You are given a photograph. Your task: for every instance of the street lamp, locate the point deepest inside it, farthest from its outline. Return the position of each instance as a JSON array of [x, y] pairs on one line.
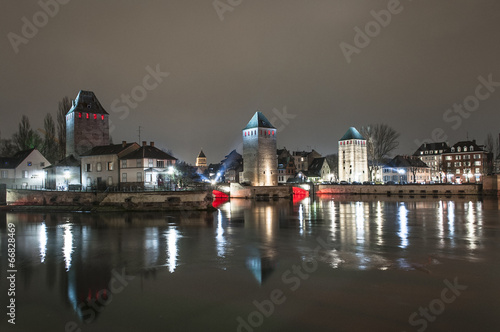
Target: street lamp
[[170, 173], [401, 173], [66, 178]]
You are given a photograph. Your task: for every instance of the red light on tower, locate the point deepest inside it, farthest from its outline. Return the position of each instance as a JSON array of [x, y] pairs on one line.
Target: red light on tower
[[87, 115], [95, 116], [80, 115], [102, 117]]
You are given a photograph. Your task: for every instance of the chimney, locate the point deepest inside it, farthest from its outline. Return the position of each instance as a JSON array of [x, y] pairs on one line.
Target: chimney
[[152, 144], [144, 143], [124, 143]]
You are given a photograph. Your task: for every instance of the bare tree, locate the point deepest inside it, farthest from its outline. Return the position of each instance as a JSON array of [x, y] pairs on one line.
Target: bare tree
[[381, 140], [7, 147], [50, 140], [26, 138], [63, 108]]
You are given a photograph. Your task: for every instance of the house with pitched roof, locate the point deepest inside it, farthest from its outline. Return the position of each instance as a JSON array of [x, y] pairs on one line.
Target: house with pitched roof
[[431, 154], [467, 162], [101, 165], [147, 167], [406, 169], [64, 174], [24, 170]]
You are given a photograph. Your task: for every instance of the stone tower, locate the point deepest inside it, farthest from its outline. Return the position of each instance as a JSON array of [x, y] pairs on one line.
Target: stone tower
[[260, 159], [87, 124], [353, 159], [201, 160]]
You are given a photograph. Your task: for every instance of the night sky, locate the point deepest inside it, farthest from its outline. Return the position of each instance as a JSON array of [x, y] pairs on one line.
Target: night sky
[[279, 57]]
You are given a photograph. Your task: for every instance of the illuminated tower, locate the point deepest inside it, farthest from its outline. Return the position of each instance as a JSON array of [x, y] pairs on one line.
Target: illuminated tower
[[353, 159], [201, 160], [260, 161], [87, 124]]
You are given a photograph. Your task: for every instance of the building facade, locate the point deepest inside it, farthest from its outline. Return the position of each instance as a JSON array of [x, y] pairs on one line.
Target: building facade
[[101, 165], [201, 160], [431, 155], [24, 170], [467, 162], [64, 174], [148, 167], [87, 124], [406, 169], [260, 161], [353, 158]]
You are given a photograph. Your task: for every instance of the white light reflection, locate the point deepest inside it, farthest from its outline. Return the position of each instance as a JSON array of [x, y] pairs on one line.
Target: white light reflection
[[470, 225], [68, 245], [151, 244], [379, 221], [219, 238], [301, 219], [360, 223], [172, 250], [332, 218], [440, 224], [42, 235], [403, 225], [451, 222]]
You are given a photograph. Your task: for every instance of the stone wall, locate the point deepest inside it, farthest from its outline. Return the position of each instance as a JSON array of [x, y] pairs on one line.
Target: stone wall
[[417, 189], [180, 200], [258, 192], [491, 185]]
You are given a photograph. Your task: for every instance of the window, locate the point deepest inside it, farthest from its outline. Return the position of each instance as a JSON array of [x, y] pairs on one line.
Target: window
[[139, 162], [102, 117], [150, 163], [465, 149], [477, 163], [149, 177], [477, 156], [110, 166], [452, 149], [478, 170], [88, 167], [95, 116], [449, 164], [29, 163], [457, 171], [124, 177], [139, 176], [87, 115], [467, 156], [5, 174], [124, 163], [42, 164], [449, 158], [89, 182], [98, 167], [160, 163], [458, 164], [110, 180], [458, 157], [459, 149], [80, 115]]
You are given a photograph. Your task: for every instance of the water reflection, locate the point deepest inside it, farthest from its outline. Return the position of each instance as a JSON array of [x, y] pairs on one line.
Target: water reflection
[[79, 252]]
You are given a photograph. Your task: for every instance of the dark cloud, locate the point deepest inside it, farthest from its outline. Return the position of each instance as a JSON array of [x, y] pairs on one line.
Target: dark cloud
[[263, 55]]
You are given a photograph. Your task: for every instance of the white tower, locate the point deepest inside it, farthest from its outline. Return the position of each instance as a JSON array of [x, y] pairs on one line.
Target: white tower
[[260, 161], [353, 159]]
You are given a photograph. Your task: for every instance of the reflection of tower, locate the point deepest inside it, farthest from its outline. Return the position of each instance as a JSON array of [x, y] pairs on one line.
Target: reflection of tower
[[353, 160], [201, 160], [260, 161], [87, 124]]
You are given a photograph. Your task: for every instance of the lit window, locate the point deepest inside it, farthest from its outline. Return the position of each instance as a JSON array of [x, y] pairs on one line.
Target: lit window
[[110, 166], [29, 163], [110, 180], [87, 115], [80, 115], [269, 132], [124, 163], [88, 167], [95, 116], [98, 167], [124, 177], [25, 174]]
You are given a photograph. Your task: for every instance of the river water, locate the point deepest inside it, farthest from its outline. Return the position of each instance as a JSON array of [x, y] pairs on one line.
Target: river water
[[334, 264]]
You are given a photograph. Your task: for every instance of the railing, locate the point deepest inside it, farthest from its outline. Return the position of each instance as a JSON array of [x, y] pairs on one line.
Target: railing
[[108, 189]]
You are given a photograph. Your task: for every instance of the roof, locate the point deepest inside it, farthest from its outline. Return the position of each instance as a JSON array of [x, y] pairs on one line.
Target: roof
[[201, 155], [316, 166], [150, 152], [14, 161], [467, 144], [86, 101], [352, 133], [107, 149], [259, 120], [431, 147], [67, 161], [405, 162]]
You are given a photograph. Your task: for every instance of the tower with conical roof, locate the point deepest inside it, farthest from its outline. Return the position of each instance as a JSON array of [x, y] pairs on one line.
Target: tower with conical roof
[[201, 160], [260, 161], [353, 159], [87, 124]]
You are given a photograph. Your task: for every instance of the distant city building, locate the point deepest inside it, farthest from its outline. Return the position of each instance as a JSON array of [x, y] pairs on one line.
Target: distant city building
[[286, 166], [260, 161], [147, 167], [319, 171], [24, 170], [431, 154], [353, 159], [303, 159], [407, 169], [467, 162], [231, 167], [101, 165], [87, 124]]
